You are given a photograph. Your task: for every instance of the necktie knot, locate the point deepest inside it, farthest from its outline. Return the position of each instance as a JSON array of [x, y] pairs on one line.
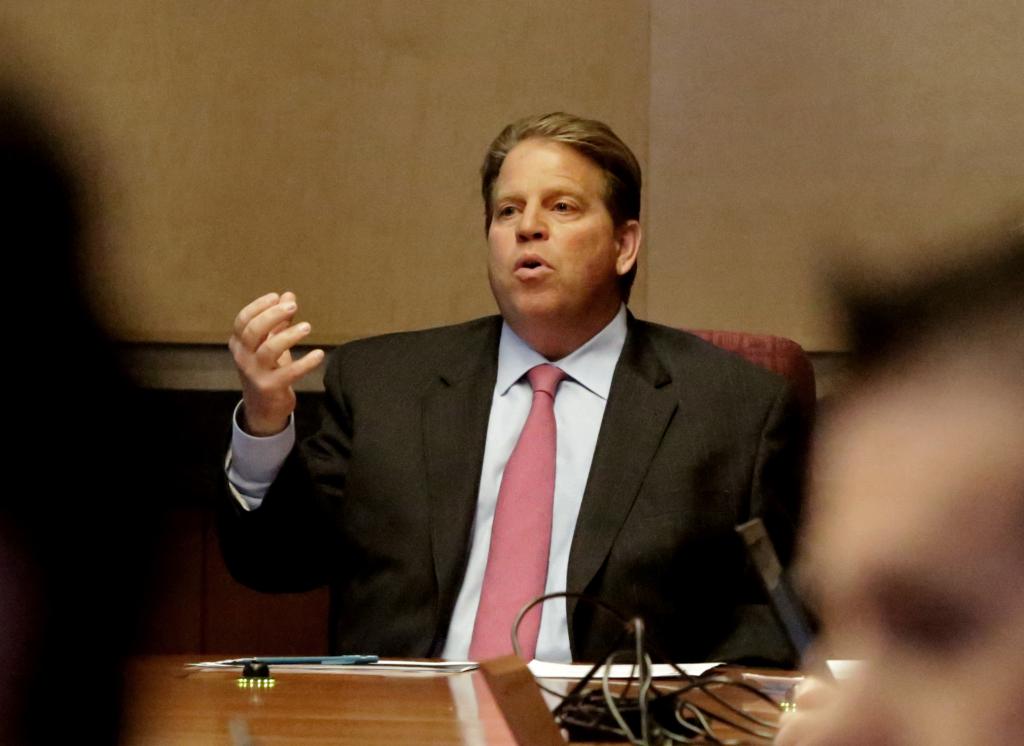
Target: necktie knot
[[545, 378]]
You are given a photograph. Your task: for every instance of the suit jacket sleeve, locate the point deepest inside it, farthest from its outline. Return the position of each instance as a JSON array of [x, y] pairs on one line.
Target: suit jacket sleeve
[[282, 546]]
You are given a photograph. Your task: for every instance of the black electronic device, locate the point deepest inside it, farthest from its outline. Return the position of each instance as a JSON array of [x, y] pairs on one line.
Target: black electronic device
[[788, 608], [255, 669]]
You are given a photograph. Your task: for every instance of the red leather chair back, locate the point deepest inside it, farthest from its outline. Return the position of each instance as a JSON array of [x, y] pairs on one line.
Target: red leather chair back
[[777, 354]]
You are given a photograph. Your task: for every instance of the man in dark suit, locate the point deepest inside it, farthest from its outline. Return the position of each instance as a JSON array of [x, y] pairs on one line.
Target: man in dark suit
[[664, 443]]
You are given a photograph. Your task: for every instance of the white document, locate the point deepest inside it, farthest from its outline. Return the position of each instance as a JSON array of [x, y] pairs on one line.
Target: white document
[[383, 667], [546, 670]]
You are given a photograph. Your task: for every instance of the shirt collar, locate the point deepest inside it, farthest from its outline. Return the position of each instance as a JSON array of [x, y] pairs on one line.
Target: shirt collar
[[591, 365]]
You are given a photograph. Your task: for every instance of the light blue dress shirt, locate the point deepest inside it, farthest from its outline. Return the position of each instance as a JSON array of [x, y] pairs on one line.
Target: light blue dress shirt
[[253, 463]]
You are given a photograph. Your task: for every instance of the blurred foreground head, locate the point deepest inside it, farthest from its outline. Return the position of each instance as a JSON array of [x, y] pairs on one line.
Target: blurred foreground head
[[916, 528], [73, 528]]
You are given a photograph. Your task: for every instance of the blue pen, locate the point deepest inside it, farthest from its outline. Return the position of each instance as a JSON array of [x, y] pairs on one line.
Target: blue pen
[[307, 660]]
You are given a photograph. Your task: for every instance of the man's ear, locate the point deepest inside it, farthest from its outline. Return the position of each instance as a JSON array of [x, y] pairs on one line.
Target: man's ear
[[627, 243]]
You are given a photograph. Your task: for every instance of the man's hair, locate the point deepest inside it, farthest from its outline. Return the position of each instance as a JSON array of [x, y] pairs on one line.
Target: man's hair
[[594, 140], [974, 308]]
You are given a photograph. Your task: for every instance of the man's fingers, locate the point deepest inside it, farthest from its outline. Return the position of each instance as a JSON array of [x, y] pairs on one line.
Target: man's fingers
[[273, 348], [253, 309], [259, 327], [308, 362], [289, 374], [284, 358], [278, 329], [264, 335]]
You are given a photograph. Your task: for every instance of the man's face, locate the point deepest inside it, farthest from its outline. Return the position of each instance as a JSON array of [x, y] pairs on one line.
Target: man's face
[[917, 544], [555, 254]]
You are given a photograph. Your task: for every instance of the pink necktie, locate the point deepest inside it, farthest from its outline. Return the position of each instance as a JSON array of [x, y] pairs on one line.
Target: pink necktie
[[517, 562]]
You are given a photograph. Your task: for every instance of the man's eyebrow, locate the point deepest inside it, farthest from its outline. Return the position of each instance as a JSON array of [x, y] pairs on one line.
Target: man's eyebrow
[[569, 188]]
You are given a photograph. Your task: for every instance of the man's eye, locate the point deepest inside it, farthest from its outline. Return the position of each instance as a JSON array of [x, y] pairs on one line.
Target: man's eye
[[563, 207], [506, 211]]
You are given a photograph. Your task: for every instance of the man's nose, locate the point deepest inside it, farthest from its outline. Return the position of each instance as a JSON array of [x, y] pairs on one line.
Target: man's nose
[[532, 226]]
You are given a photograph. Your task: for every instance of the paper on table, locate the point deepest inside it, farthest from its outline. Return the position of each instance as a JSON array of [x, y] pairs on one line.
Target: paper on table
[[780, 685], [844, 669], [388, 667], [540, 669], [546, 670]]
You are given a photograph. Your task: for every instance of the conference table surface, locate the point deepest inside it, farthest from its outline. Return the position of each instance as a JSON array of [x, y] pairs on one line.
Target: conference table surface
[[168, 703]]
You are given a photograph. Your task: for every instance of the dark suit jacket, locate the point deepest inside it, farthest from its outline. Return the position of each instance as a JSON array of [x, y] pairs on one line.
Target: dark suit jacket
[[380, 503]]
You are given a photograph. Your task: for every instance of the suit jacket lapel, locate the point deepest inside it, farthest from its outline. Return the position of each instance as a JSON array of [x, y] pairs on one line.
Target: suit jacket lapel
[[455, 415], [640, 406]]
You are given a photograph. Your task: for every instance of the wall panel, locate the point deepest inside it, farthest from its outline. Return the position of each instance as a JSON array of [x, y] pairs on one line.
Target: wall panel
[[785, 132], [323, 146]]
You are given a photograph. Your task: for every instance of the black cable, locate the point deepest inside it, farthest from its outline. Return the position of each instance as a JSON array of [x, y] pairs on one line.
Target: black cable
[[657, 715], [704, 686], [559, 594], [581, 597]]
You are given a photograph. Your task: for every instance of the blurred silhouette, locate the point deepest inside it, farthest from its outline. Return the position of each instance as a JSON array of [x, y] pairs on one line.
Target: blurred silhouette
[[916, 528], [74, 525]]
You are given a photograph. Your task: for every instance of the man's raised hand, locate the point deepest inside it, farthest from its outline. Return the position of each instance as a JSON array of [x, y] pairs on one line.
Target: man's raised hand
[[261, 344]]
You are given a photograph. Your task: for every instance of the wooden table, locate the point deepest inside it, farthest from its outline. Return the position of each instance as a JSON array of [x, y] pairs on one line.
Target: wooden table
[[169, 704]]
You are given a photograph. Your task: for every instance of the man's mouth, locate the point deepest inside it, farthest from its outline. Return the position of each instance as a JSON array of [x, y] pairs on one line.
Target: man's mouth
[[530, 263], [531, 266]]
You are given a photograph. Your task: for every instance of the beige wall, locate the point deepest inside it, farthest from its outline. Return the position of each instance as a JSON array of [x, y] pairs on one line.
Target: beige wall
[[332, 147], [782, 132], [328, 147]]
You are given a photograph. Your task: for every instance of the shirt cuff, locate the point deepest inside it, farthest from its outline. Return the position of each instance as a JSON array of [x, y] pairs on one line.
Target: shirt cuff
[[253, 463]]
